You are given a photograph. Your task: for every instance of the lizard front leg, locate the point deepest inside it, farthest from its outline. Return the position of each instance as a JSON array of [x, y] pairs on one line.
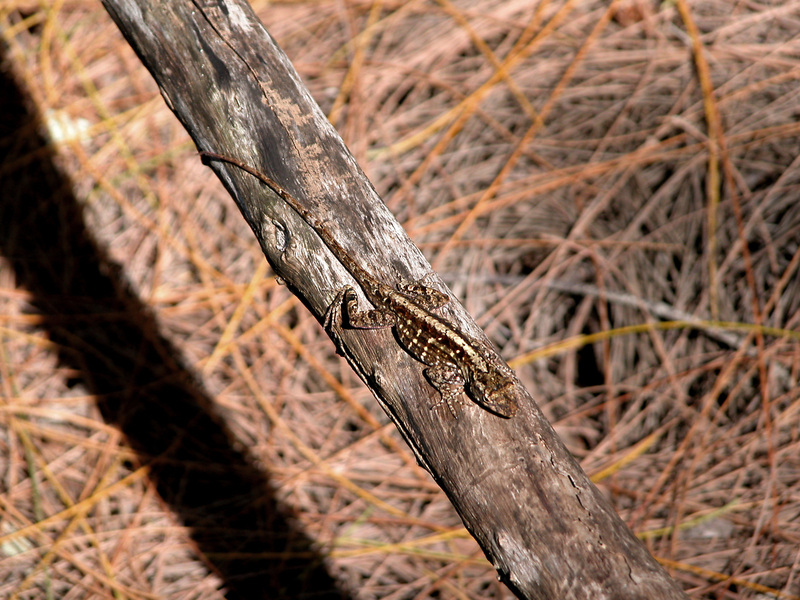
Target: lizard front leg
[[449, 382]]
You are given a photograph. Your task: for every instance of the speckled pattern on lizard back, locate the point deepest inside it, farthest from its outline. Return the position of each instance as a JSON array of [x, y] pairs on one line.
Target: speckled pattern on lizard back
[[455, 362]]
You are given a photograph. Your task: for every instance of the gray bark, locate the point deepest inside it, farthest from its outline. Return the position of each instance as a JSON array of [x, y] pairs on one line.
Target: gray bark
[[544, 526]]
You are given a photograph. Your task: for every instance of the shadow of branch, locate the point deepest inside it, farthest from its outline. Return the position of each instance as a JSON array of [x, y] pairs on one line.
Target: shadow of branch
[[110, 339]]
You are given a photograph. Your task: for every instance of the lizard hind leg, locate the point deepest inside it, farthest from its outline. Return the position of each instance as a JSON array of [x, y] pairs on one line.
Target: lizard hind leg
[[334, 323], [365, 319], [344, 312], [426, 297]]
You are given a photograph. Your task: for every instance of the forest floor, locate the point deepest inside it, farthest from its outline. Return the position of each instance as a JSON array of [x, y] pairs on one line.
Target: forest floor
[[608, 187]]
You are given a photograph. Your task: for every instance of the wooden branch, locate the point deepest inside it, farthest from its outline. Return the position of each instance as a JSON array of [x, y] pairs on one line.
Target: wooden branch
[[541, 522]]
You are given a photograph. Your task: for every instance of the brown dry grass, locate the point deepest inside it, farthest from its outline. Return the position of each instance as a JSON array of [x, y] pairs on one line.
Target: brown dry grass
[[626, 181]]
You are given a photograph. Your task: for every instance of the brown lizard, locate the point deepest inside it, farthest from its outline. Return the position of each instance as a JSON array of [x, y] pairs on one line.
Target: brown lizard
[[455, 362]]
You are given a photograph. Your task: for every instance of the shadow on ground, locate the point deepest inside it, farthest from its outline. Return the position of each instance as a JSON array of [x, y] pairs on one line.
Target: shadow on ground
[[112, 343]]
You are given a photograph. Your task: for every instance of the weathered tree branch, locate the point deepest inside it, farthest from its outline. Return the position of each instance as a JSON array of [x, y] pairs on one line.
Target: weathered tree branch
[[542, 523]]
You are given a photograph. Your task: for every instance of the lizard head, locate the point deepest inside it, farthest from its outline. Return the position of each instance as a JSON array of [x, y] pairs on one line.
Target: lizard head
[[495, 393]]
